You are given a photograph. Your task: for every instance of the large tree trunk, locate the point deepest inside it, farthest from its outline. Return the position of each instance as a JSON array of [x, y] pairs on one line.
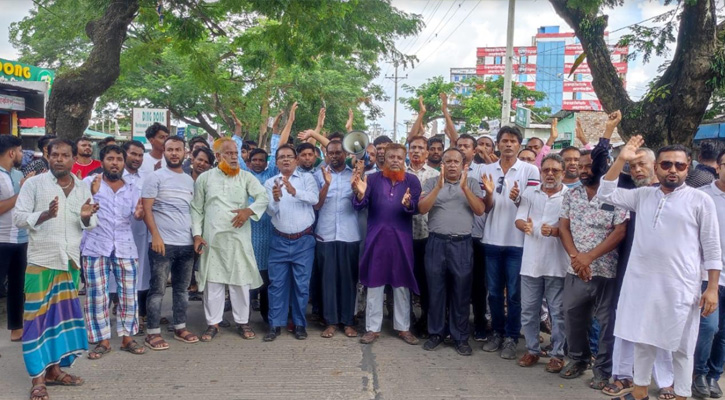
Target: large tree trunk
[[672, 110], [264, 114], [74, 92]]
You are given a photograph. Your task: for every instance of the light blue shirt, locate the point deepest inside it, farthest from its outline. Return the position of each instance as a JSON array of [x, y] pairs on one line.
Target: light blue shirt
[[337, 219], [115, 216], [239, 141], [293, 214]]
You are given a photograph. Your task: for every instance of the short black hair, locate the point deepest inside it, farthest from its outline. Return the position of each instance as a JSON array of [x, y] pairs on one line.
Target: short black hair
[[130, 143], [205, 150], [112, 148], [569, 148], [535, 138], [174, 138], [44, 140], [382, 139], [197, 139], [585, 152], [525, 149], [710, 148], [336, 142], [511, 130], [83, 139], [720, 157], [435, 139], [8, 142], [284, 146], [468, 137], [416, 138], [245, 146], [674, 147], [105, 141], [154, 129], [336, 136], [258, 150], [252, 143], [456, 149], [56, 142], [305, 146]]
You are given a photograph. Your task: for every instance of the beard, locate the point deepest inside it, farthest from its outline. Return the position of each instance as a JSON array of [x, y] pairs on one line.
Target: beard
[[395, 176], [642, 182], [589, 180], [59, 174], [570, 175], [111, 176], [671, 185], [227, 169], [170, 164], [434, 159]]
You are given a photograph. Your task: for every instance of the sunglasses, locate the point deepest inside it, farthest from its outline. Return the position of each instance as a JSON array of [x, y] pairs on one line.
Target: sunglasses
[[500, 185], [552, 171], [667, 165]]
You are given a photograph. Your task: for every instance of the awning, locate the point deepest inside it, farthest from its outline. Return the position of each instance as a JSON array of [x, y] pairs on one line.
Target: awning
[[710, 131]]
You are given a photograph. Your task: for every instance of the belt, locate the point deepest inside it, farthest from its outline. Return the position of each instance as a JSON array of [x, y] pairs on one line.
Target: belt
[[294, 236], [452, 238]]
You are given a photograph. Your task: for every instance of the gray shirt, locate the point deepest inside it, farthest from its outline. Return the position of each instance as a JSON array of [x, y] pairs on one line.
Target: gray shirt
[[451, 214], [173, 193]]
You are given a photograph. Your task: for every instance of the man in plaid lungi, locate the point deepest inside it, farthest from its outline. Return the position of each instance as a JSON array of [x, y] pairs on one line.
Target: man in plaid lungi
[[111, 250]]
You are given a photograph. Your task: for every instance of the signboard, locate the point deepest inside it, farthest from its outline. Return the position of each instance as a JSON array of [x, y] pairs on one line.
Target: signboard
[[142, 118], [523, 117], [581, 105], [500, 69], [15, 71], [501, 51], [570, 86], [180, 131], [463, 71], [577, 49], [12, 103]]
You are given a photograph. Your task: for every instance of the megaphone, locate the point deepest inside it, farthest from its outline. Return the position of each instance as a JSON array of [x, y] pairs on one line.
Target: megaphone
[[356, 142]]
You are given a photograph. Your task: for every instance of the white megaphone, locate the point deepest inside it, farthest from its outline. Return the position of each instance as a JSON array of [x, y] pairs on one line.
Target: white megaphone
[[356, 142]]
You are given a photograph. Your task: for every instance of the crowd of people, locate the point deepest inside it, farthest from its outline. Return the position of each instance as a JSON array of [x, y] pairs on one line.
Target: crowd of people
[[529, 239]]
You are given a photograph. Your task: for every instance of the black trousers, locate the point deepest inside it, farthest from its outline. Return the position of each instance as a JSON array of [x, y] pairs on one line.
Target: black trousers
[[449, 269], [264, 296], [583, 301], [479, 294], [419, 273], [338, 263], [141, 296], [13, 260]]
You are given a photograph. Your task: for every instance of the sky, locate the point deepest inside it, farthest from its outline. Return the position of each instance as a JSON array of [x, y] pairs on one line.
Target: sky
[[453, 30]]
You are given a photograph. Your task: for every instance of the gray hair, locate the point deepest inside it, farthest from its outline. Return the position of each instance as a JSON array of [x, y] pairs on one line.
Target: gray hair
[[555, 157], [650, 154]]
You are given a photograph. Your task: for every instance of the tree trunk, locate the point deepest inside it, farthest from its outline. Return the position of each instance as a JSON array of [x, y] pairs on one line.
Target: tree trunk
[[74, 92], [263, 125], [671, 111]]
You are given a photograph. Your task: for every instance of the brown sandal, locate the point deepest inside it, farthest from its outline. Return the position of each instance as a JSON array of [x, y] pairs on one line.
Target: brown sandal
[[209, 334], [98, 352], [350, 332], [185, 336], [39, 392], [555, 365], [329, 331], [156, 342], [133, 348], [61, 380], [246, 331]]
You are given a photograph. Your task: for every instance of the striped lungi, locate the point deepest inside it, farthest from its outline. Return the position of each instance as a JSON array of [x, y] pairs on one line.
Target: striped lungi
[[54, 331]]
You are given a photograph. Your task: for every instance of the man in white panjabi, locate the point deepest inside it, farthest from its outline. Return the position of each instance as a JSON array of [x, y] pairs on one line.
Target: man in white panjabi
[[677, 236]]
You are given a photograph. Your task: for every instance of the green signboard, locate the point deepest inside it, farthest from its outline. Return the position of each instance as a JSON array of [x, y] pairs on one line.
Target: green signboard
[[15, 71]]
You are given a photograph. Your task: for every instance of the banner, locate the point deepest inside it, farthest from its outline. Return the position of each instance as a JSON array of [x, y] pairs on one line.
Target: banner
[[142, 118]]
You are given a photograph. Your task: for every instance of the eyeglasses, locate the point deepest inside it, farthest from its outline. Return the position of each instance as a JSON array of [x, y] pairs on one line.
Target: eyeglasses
[[552, 171], [667, 165], [500, 185], [287, 157]]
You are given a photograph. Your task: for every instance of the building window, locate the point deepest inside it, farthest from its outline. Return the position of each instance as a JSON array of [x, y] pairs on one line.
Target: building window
[[497, 60]]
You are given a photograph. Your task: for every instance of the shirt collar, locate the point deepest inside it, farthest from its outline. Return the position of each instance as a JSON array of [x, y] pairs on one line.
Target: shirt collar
[[516, 165], [563, 190], [716, 189]]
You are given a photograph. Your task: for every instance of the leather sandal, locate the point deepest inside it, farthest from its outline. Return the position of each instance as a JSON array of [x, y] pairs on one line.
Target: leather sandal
[[329, 332], [408, 337], [185, 336]]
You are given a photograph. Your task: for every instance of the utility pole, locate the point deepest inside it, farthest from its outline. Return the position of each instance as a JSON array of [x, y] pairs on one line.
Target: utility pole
[[395, 79], [506, 103]]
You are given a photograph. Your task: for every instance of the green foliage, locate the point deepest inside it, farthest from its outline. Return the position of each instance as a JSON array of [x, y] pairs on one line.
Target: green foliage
[[253, 56], [430, 90]]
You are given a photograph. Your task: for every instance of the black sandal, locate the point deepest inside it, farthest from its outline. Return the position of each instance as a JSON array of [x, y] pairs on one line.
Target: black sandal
[[209, 334], [134, 348], [100, 350], [573, 370]]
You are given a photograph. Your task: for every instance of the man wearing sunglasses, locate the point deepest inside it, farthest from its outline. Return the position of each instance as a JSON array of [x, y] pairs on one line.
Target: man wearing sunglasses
[[677, 236]]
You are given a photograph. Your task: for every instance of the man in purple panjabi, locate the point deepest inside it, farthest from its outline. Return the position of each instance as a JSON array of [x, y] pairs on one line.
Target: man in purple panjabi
[[391, 197]]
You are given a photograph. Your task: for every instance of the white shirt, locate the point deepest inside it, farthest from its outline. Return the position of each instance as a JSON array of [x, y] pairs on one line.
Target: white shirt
[[9, 187], [420, 221], [293, 214], [718, 196], [148, 165], [543, 256], [675, 232], [500, 229], [337, 219], [56, 241]]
